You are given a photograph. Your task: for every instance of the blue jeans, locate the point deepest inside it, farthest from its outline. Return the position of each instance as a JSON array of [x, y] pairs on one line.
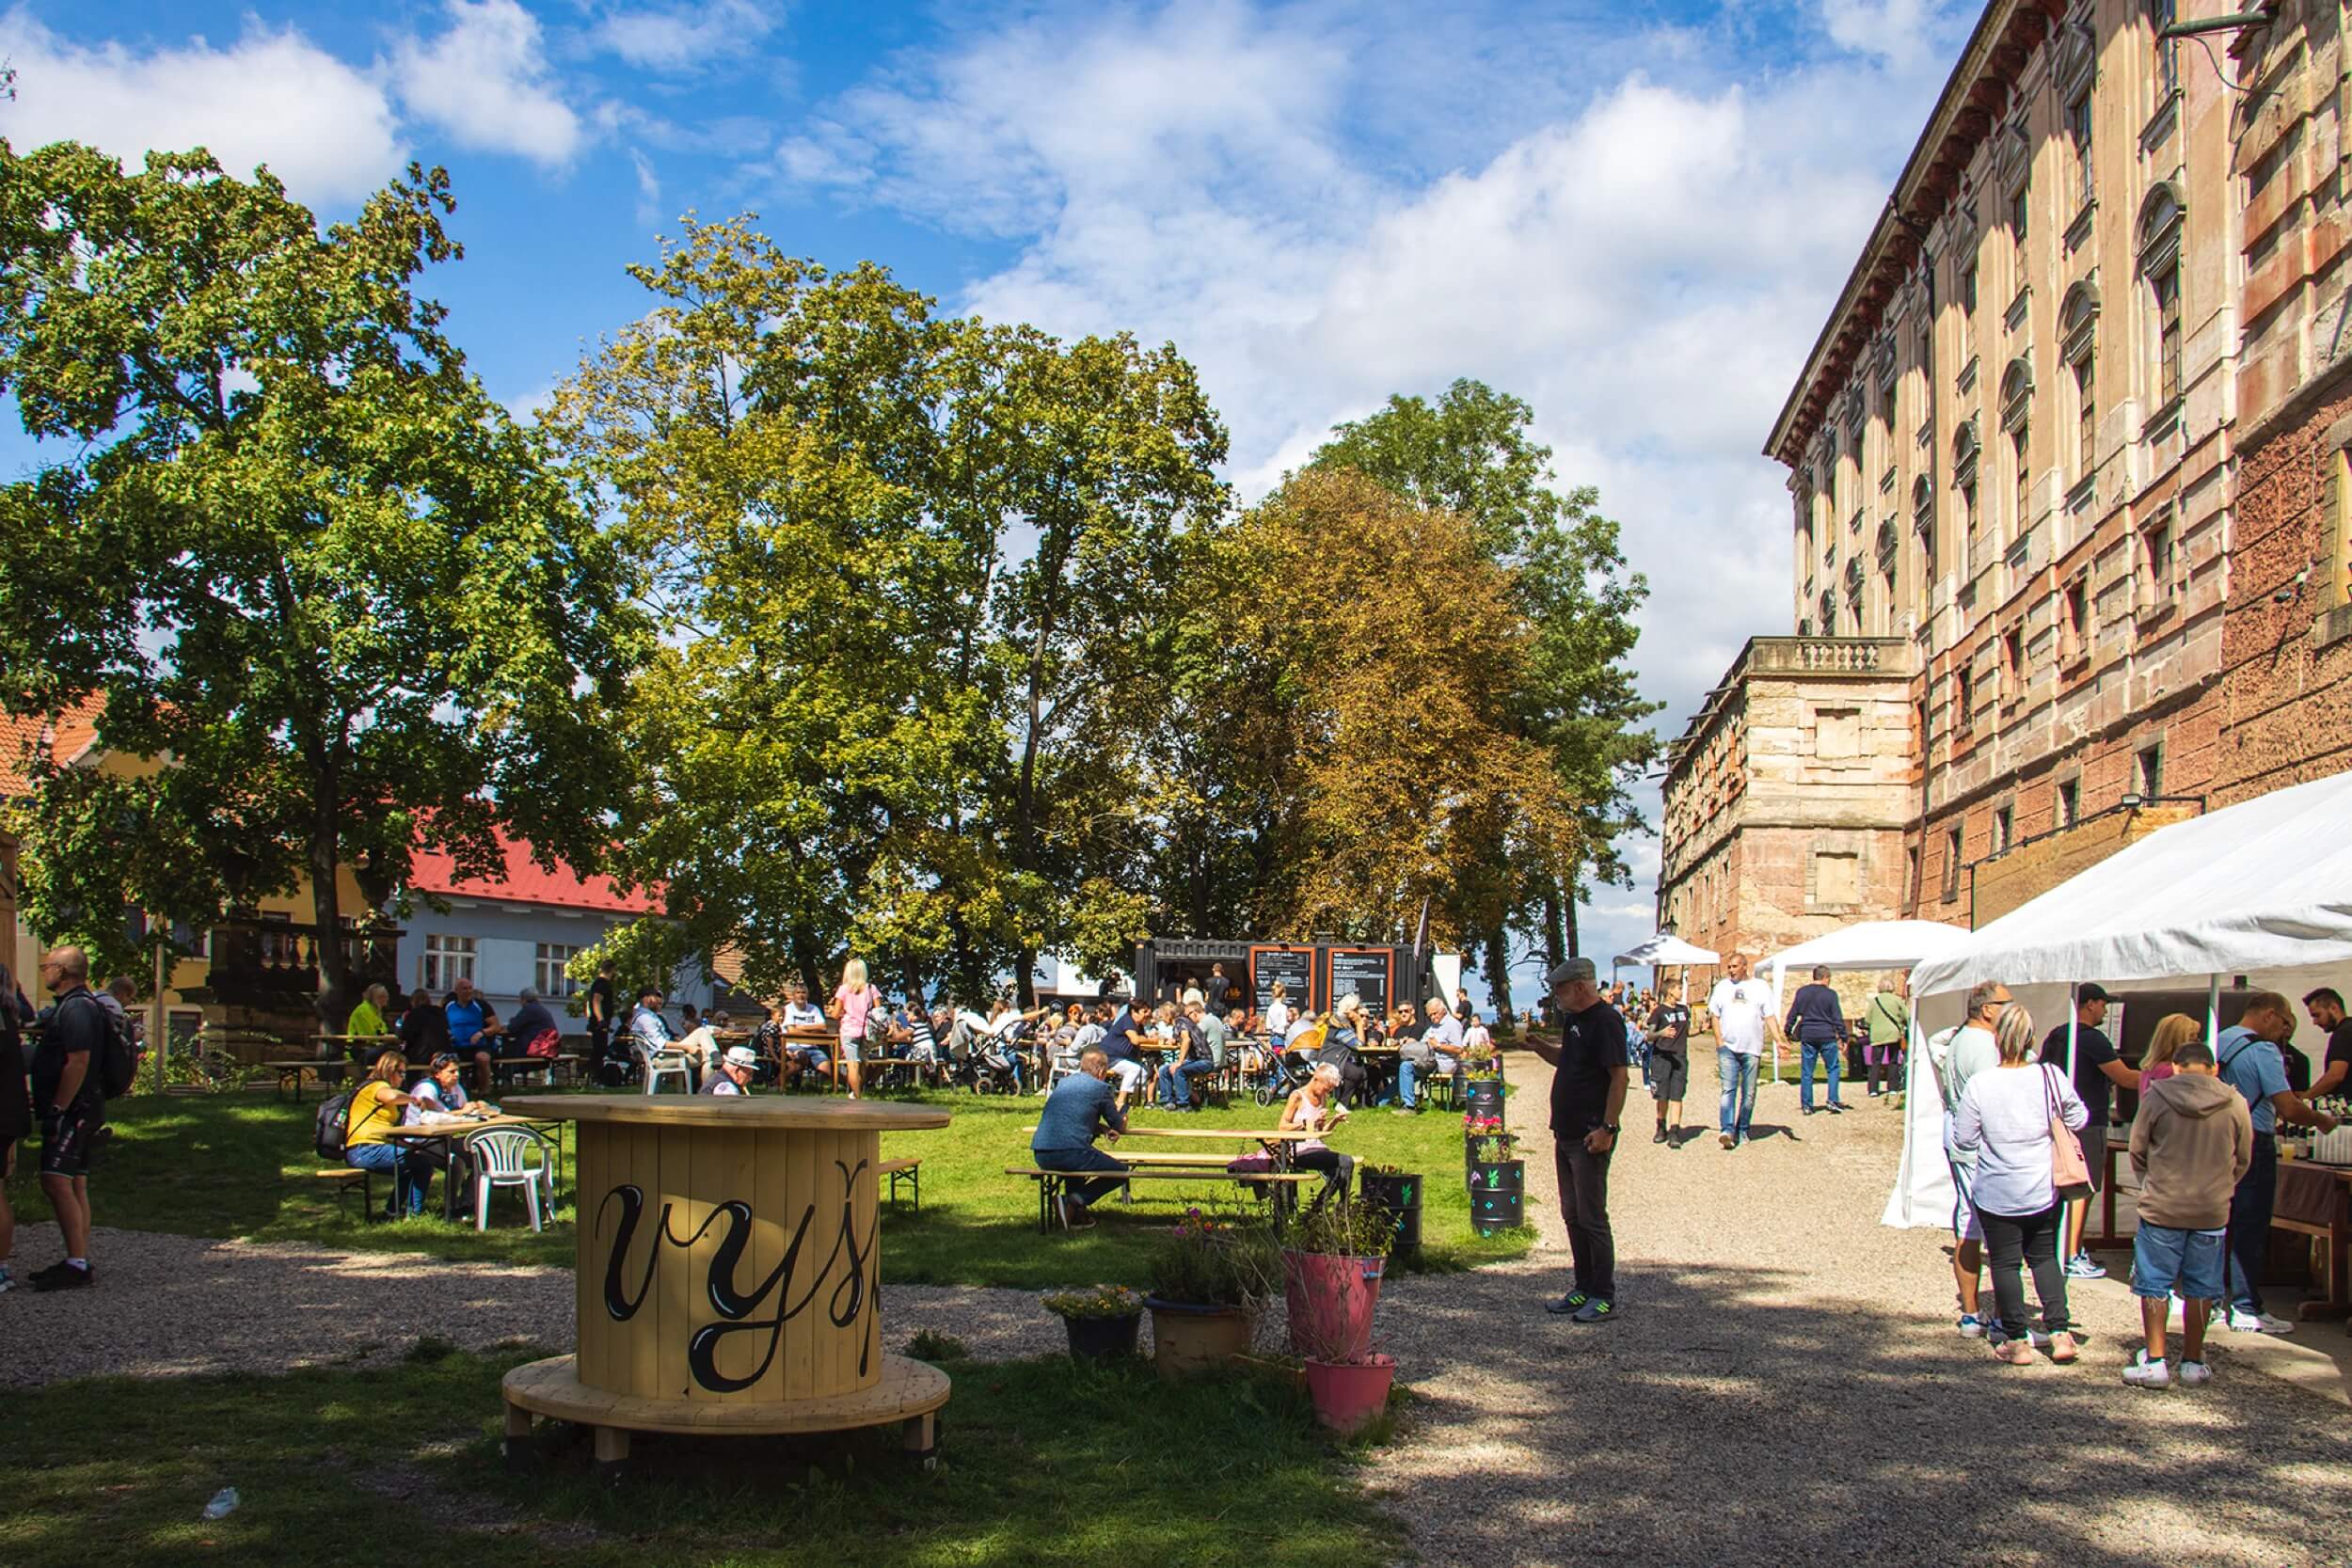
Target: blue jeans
[[411, 1171], [2250, 1223], [1405, 1082], [1637, 1056], [1828, 1053], [1175, 1086], [1738, 1072], [1088, 1158]]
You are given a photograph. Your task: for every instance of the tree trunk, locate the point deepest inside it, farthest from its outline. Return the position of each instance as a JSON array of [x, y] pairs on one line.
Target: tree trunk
[[335, 1001], [1499, 974], [1025, 977], [1569, 934], [1555, 929]]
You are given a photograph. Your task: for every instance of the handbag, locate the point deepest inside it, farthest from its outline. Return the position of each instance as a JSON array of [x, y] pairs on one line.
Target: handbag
[[2068, 1172], [544, 1045]]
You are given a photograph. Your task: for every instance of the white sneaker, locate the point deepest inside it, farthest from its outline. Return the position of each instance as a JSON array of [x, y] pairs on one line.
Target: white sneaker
[[2195, 1374], [2144, 1373], [2258, 1322]]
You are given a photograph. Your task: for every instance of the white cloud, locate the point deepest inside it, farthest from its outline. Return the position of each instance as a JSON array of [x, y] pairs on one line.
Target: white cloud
[[1645, 257], [271, 97], [486, 83], [685, 38]]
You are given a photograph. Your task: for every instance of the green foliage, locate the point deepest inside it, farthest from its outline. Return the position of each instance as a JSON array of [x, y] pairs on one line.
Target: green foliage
[[1343, 1229], [1208, 1260], [316, 577], [938, 1349], [1094, 1301]]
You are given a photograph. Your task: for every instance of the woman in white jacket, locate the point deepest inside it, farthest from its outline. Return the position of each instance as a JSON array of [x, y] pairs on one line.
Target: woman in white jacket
[[2004, 1115]]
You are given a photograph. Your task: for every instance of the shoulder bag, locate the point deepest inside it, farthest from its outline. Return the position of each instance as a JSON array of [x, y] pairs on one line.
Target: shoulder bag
[[2069, 1174]]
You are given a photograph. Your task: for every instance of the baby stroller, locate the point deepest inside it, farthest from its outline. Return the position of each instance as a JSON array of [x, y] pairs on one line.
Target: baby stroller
[[1282, 1072], [981, 1062]]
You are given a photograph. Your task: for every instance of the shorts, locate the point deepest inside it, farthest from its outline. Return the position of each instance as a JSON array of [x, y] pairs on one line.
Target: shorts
[[1964, 1226], [1669, 1074], [1129, 1073], [852, 1045], [2092, 1141], [68, 1138], [2165, 1259]]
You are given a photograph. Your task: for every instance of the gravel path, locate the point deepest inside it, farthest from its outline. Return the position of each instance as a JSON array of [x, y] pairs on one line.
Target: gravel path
[[1786, 1386]]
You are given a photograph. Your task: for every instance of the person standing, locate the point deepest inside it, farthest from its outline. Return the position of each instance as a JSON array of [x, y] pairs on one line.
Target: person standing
[[2326, 1007], [601, 997], [1669, 1030], [72, 1110], [2006, 1115], [854, 1003], [2249, 1056], [1887, 1023], [1963, 1053], [1817, 1024], [1741, 1009], [16, 1106], [2192, 1144], [1588, 1097], [2099, 1070], [1081, 1108]]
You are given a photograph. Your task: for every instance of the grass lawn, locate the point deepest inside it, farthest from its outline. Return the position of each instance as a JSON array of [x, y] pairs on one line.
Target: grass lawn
[[232, 1164], [1040, 1462]]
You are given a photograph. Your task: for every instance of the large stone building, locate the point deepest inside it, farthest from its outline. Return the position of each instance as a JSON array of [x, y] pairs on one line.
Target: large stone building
[[2071, 456]]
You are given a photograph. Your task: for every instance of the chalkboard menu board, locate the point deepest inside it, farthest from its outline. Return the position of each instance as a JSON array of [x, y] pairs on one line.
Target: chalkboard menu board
[[1369, 971], [1293, 966]]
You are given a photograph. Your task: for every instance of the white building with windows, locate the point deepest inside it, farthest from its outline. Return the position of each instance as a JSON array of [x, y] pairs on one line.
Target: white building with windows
[[519, 930]]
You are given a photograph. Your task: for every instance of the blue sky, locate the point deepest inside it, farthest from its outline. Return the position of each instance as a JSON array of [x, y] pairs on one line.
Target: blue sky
[[1635, 217]]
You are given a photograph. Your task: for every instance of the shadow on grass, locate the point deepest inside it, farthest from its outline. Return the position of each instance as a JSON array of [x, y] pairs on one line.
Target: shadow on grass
[[1733, 1414]]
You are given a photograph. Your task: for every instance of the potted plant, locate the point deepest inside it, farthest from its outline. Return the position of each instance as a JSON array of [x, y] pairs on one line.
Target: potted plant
[[1483, 1066], [1332, 1264], [1348, 1395], [1102, 1319], [1396, 1192], [1208, 1277], [1482, 1132], [1496, 1186]]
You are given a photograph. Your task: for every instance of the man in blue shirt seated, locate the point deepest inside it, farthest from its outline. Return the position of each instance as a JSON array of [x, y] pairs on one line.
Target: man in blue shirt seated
[[2248, 1057], [1817, 1025], [1080, 1109]]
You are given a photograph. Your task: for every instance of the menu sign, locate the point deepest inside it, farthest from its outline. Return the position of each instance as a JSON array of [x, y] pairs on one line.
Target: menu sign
[[1295, 967], [1369, 971]]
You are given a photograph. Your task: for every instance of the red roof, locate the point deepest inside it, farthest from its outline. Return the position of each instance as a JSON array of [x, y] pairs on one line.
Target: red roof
[[67, 738], [526, 883]]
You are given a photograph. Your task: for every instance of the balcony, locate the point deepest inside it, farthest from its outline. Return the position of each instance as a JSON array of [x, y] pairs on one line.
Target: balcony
[[273, 965], [1833, 656]]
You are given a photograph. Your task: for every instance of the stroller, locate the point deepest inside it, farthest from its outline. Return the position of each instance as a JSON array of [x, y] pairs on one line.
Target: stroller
[[981, 1062], [1282, 1072]]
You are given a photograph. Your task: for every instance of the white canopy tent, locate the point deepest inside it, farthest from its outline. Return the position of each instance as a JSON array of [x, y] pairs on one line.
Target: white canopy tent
[[1865, 945], [1662, 949], [2258, 892]]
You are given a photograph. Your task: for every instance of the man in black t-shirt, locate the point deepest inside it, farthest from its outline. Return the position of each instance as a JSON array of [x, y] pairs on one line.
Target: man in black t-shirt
[[72, 1107], [1587, 1097], [2098, 1069], [1668, 1029], [2326, 1005], [600, 999]]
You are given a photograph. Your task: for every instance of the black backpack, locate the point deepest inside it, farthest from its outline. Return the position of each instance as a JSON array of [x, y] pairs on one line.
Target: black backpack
[[326, 1134], [116, 1066]]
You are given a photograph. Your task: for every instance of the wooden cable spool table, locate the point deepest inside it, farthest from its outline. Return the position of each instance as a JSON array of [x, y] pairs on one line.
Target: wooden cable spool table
[[729, 1274]]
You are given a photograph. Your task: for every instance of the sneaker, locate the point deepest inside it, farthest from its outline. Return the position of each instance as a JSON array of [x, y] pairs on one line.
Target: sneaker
[[1596, 1312], [62, 1276], [1971, 1327], [1726, 1139], [2258, 1322], [2144, 1373], [2083, 1266], [1836, 1109], [1661, 1134], [1075, 1216], [2195, 1374], [2015, 1352], [1809, 1110], [1567, 1305], [6, 1284]]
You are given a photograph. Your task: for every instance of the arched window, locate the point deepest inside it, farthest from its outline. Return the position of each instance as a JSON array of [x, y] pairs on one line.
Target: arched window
[[1965, 476], [2017, 421], [2161, 217], [2078, 335]]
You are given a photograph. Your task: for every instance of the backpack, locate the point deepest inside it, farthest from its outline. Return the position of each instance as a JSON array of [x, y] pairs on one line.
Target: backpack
[[326, 1134], [116, 1066]]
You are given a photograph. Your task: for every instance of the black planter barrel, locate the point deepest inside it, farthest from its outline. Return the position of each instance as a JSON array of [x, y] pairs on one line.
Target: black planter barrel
[[1399, 1198], [1486, 1099], [1469, 1150], [1102, 1338], [1498, 1195]]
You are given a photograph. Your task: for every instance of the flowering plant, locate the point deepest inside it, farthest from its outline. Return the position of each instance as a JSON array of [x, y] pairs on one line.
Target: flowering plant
[[1488, 1149], [1095, 1300], [1474, 1124], [1210, 1262]]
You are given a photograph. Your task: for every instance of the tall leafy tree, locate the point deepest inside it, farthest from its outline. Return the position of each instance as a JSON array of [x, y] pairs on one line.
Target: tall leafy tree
[[1470, 452], [325, 587]]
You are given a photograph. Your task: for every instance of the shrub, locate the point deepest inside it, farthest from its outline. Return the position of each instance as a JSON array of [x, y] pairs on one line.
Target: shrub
[[1208, 1261], [1096, 1301]]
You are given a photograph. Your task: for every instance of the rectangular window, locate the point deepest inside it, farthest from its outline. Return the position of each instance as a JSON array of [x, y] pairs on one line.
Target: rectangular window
[[2160, 561], [2168, 71], [1951, 863], [2021, 501], [2152, 771], [183, 1024], [1968, 295], [2020, 206], [1964, 703], [2168, 287], [2013, 665], [551, 980], [2070, 803], [1888, 410], [447, 960], [2003, 824], [2086, 420], [2078, 134], [2076, 610]]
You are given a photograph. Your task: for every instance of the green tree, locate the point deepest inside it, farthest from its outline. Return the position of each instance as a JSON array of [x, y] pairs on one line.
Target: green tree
[[324, 586], [1471, 453]]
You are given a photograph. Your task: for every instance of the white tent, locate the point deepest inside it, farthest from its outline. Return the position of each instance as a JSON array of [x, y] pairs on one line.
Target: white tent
[[2260, 891], [1664, 948], [1869, 944]]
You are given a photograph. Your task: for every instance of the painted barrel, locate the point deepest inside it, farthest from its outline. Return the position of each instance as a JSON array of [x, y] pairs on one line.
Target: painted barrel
[[1498, 1195], [729, 1249], [1485, 1100], [1469, 1150], [1399, 1198]]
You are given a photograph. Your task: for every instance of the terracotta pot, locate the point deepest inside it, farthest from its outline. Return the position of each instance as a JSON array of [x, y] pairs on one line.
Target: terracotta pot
[[1189, 1338], [1349, 1394], [1330, 1300]]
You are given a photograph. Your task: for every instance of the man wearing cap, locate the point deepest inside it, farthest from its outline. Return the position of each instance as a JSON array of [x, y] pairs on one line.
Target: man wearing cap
[[1588, 1081], [2097, 1070], [734, 1072]]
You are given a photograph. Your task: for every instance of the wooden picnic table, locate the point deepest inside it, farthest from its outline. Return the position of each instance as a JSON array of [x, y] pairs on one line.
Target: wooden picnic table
[[457, 1129]]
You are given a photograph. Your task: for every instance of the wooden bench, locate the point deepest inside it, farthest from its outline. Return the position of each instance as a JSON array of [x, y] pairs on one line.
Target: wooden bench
[[506, 1068], [289, 1074], [342, 1178], [1051, 1184], [909, 1171]]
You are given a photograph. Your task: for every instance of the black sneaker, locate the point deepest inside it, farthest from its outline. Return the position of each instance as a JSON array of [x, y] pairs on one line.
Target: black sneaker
[[1661, 1134], [1597, 1311], [1567, 1305], [62, 1276]]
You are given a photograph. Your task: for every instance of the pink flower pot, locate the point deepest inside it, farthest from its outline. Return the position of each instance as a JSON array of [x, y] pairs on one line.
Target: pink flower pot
[[1348, 1394], [1330, 1301]]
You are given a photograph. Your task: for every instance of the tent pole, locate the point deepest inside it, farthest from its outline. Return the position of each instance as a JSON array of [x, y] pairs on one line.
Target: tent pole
[[2213, 1008]]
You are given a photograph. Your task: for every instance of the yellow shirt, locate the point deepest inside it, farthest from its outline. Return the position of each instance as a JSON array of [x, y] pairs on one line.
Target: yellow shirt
[[370, 1120], [365, 1020]]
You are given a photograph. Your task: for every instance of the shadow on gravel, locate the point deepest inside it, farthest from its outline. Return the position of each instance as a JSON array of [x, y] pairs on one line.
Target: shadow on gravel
[[1723, 1421]]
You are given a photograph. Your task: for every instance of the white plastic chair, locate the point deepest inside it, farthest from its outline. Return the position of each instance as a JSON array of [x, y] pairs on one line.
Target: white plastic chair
[[654, 1065], [1064, 1065], [501, 1158]]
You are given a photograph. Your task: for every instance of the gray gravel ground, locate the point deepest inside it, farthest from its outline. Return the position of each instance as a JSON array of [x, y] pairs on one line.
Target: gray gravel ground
[[1786, 1386]]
